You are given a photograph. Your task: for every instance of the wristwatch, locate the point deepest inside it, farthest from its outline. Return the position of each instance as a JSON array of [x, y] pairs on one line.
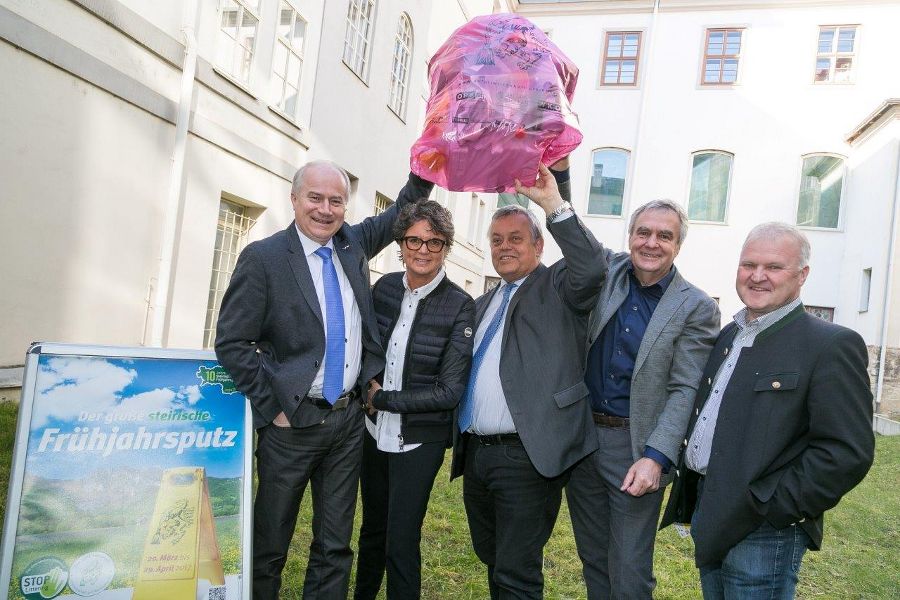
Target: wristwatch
[[562, 208]]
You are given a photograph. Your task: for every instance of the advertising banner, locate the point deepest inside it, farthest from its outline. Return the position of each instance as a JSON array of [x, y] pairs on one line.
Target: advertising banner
[[131, 478]]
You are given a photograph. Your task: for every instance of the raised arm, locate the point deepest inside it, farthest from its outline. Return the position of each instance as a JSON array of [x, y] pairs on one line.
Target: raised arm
[[374, 233], [586, 265]]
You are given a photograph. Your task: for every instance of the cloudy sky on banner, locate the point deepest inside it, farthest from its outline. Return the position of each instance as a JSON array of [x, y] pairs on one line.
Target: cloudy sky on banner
[[80, 395]]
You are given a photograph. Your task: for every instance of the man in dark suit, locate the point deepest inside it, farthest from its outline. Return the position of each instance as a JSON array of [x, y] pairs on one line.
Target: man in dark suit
[[525, 417], [781, 430], [649, 337], [297, 333]]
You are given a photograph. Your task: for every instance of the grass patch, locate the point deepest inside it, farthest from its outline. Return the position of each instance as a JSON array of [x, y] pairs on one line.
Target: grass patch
[[860, 558]]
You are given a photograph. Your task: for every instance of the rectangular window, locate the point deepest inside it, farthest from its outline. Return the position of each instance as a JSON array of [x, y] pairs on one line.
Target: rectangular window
[[379, 264], [710, 176], [237, 37], [823, 312], [620, 58], [287, 60], [476, 227], [607, 182], [820, 191], [721, 56], [358, 37], [836, 54], [231, 237], [400, 66], [865, 290]]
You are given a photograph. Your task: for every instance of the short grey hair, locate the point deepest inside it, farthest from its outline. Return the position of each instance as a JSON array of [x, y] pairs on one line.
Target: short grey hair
[[515, 209], [777, 229], [663, 204], [298, 176], [439, 219]]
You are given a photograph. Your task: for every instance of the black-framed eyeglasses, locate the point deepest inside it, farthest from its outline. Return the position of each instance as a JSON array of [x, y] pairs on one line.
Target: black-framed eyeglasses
[[414, 243]]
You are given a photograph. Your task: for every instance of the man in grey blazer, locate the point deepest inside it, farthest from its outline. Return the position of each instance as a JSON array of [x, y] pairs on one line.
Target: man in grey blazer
[[525, 418], [648, 339], [297, 333]]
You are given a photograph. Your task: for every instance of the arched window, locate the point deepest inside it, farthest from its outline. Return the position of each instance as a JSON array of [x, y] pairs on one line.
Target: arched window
[[609, 167], [403, 46], [710, 180], [358, 38], [821, 182]]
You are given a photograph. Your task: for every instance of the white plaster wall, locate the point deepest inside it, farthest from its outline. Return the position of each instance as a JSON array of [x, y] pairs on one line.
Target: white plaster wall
[[81, 209], [872, 186], [209, 173]]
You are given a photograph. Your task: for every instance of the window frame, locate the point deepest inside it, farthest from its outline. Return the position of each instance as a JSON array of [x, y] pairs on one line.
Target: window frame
[[228, 71], [365, 59], [865, 290], [625, 187], [687, 205], [604, 58], [835, 54], [402, 97], [380, 263], [280, 106], [799, 186], [227, 203], [722, 57]]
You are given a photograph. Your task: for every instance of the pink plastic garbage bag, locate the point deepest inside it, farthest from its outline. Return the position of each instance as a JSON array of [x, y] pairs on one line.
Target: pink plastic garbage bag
[[499, 105]]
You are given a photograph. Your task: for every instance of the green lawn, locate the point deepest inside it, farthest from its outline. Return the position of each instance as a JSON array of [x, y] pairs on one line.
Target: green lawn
[[860, 558]]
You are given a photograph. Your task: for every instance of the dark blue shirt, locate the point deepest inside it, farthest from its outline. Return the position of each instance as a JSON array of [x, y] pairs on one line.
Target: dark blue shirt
[[614, 352]]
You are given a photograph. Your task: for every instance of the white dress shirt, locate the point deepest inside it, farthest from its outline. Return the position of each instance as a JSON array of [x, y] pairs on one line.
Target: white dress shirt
[[491, 412], [387, 427], [352, 317]]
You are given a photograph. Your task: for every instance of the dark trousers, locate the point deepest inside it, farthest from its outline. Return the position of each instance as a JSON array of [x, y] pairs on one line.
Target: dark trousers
[[511, 510], [395, 490], [328, 456], [614, 531]]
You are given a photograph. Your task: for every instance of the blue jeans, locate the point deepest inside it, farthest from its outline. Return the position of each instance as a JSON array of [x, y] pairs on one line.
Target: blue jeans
[[763, 566]]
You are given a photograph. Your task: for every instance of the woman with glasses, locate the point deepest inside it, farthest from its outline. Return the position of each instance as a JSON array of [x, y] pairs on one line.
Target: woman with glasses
[[426, 323]]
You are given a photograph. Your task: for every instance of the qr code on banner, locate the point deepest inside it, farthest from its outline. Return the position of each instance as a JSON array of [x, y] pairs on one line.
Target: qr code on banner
[[217, 593]]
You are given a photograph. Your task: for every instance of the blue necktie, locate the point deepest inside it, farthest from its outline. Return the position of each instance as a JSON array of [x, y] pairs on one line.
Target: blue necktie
[[467, 406], [334, 329]]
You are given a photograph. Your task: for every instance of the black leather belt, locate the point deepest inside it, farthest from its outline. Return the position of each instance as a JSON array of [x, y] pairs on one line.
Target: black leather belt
[[604, 420], [499, 439], [339, 404]]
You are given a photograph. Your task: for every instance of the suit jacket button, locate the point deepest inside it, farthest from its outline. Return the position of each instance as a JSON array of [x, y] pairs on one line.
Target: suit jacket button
[[316, 364], [297, 398], [684, 443]]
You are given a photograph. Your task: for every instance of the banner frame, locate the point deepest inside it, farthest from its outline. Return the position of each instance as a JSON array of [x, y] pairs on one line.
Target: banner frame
[[20, 446]]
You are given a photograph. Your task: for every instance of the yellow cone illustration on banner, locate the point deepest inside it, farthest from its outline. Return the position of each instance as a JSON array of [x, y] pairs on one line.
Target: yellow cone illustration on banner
[[181, 545]]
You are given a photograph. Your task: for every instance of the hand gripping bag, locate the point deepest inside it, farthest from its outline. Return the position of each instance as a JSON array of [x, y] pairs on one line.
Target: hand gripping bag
[[500, 103]]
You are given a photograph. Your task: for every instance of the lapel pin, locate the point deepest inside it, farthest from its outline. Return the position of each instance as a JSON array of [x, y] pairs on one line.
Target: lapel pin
[[776, 385]]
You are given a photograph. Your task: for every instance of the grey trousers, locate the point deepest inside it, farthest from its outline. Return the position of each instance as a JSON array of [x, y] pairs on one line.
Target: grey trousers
[[614, 531]]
